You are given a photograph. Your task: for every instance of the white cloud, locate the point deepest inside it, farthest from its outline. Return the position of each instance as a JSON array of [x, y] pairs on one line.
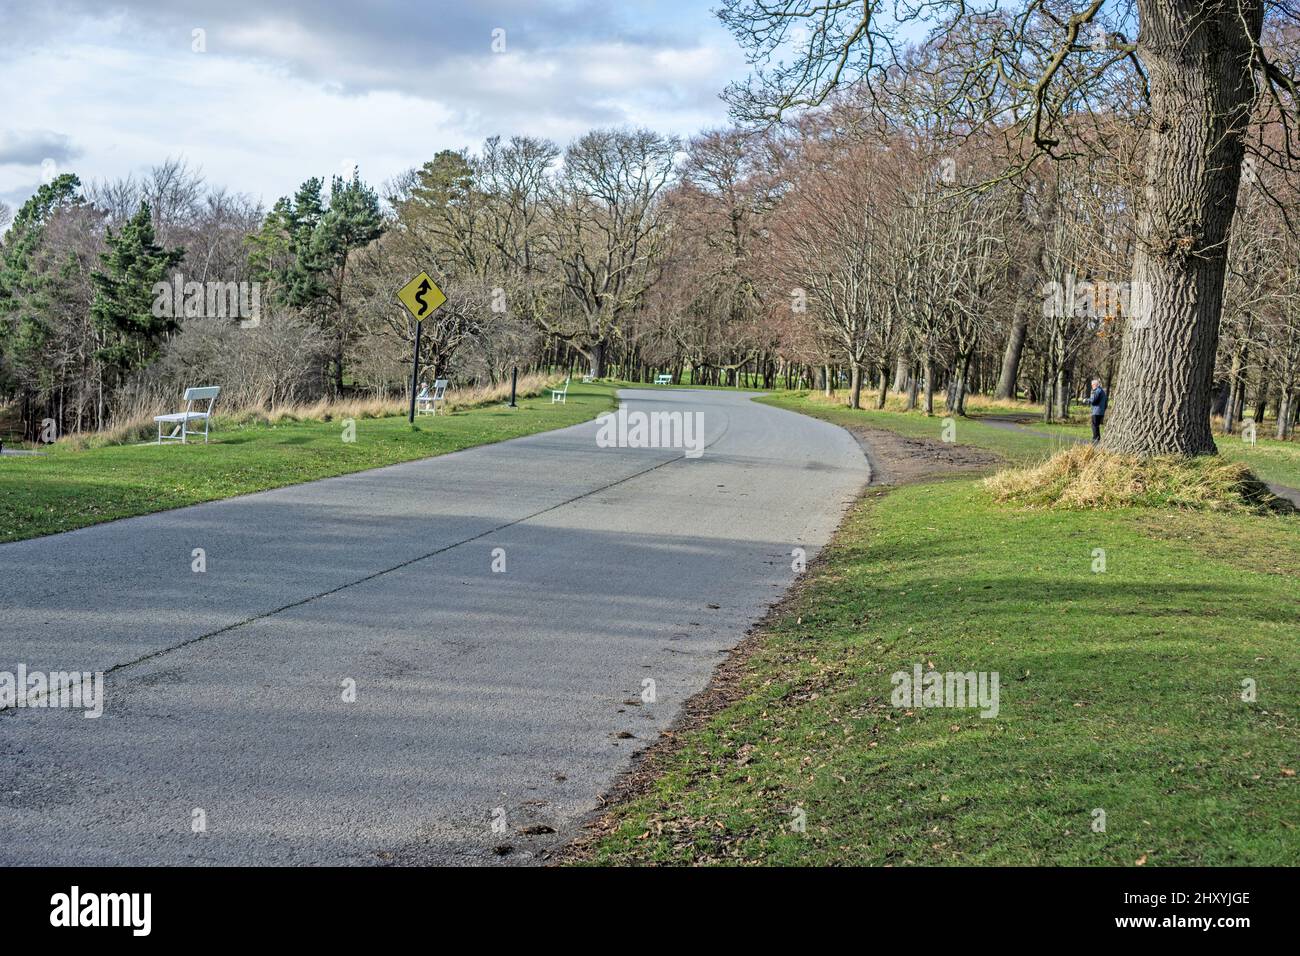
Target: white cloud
[[276, 99]]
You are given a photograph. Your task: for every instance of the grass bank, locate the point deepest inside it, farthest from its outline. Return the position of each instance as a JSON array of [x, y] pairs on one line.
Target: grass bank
[[1271, 460], [1121, 691], [70, 487], [1148, 710], [1017, 447]]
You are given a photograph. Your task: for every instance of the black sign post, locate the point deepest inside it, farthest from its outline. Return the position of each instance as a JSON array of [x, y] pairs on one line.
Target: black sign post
[[514, 379], [415, 369]]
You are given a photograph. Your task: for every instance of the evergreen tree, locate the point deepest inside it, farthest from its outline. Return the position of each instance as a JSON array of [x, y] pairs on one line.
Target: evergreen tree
[[26, 283], [305, 281], [304, 247], [270, 254], [124, 296]]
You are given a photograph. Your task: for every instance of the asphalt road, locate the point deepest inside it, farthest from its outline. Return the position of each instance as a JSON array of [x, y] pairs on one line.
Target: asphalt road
[[480, 695]]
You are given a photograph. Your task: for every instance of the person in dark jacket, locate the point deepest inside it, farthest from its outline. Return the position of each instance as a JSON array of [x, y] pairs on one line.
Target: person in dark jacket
[[1098, 403]]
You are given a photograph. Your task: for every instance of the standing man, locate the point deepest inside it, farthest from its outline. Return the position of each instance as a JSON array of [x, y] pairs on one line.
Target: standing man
[[1098, 403]]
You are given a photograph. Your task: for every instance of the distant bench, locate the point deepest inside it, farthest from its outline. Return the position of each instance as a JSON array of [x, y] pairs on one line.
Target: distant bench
[[426, 403], [181, 420], [663, 379]]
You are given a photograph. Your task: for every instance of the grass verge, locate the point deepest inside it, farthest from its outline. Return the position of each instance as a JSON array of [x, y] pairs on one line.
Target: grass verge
[[68, 487], [1120, 691], [1268, 459], [1014, 446]]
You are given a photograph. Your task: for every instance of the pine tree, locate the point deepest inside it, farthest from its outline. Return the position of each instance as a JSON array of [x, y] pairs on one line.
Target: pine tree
[[124, 295], [26, 285], [304, 247]]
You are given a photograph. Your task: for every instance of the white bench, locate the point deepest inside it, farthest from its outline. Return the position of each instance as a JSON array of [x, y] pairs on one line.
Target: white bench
[[181, 420], [426, 403], [560, 394], [588, 379], [663, 379]]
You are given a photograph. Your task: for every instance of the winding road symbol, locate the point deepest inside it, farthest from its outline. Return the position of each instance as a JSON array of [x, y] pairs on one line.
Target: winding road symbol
[[421, 296]]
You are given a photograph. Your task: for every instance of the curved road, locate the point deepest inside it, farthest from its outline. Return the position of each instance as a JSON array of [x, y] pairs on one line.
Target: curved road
[[480, 695]]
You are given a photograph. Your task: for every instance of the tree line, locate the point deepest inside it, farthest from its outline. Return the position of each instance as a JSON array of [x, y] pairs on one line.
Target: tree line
[[868, 235]]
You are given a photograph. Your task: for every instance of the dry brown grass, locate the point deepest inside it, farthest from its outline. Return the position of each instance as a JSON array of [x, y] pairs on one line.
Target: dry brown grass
[[136, 423], [1087, 477]]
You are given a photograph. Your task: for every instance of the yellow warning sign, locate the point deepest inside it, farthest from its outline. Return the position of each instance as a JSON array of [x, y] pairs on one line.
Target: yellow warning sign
[[421, 296]]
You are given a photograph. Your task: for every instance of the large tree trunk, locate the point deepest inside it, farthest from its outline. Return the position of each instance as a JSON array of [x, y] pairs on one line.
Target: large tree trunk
[[855, 385], [901, 367], [1029, 281], [1063, 393], [959, 388], [1284, 414], [1236, 386], [1198, 57], [598, 360], [1006, 387], [929, 383], [1261, 398], [1222, 392]]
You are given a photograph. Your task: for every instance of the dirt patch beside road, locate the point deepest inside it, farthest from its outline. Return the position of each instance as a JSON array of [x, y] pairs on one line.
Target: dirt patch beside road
[[900, 460]]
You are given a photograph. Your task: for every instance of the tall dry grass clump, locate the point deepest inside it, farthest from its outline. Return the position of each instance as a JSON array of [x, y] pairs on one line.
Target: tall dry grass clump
[[135, 423], [1087, 477]]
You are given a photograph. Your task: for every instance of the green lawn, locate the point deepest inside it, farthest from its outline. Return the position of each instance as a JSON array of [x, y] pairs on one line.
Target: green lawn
[[1012, 445], [65, 488], [1271, 460], [1120, 691]]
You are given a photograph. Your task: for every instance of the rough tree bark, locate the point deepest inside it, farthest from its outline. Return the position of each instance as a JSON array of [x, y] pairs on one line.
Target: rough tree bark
[[855, 385], [1284, 415], [597, 356], [928, 367], [1198, 57], [1236, 386], [1006, 387], [1029, 283], [901, 367]]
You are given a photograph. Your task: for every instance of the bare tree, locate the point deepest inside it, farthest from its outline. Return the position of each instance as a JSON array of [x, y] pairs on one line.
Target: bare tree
[[1030, 69], [605, 232]]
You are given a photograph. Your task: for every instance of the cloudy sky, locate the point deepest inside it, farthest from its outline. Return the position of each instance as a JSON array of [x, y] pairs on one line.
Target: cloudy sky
[[262, 94]]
